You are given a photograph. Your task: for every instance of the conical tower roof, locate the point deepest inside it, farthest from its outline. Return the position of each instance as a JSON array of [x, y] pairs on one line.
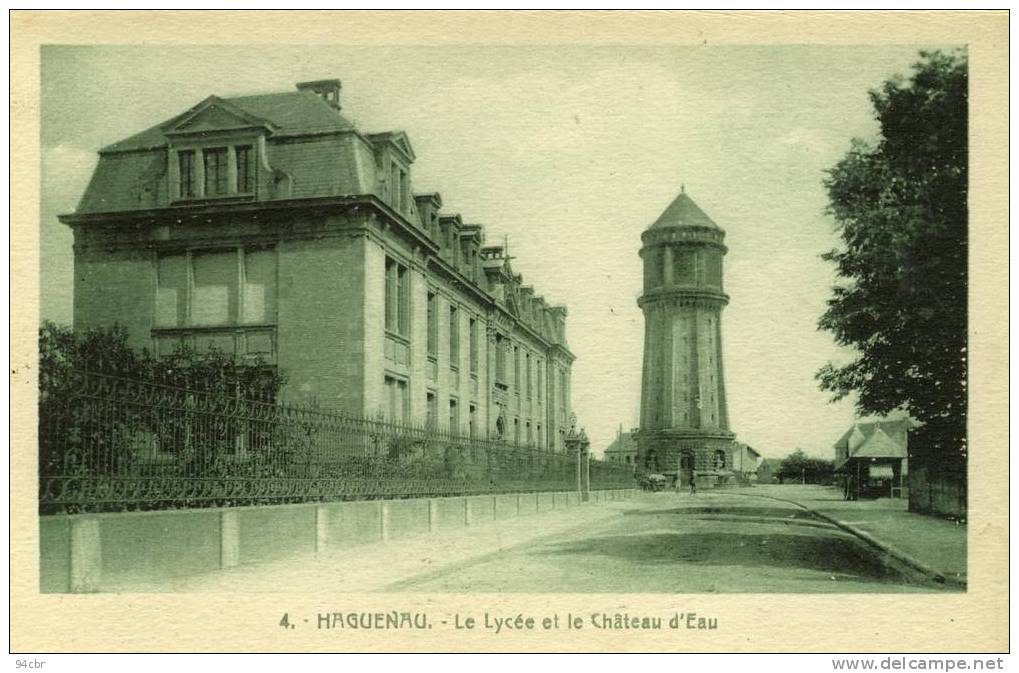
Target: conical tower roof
[[683, 212]]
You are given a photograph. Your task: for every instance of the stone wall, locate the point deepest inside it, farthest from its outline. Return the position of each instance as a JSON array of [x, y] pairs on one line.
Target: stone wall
[[143, 550]]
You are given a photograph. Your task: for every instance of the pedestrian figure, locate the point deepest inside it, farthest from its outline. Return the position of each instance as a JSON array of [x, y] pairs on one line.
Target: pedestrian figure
[[693, 486]]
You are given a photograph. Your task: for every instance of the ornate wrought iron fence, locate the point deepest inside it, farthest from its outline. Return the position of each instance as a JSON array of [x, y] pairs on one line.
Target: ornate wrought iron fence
[[117, 444]]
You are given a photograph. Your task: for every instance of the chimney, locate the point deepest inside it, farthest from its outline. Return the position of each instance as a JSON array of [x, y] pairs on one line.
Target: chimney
[[327, 89]]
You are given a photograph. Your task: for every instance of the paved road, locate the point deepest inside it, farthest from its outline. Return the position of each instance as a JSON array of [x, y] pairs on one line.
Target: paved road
[[663, 542], [683, 543]]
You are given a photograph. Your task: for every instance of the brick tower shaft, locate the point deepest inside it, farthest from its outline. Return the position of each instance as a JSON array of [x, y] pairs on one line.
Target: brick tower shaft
[[684, 418]]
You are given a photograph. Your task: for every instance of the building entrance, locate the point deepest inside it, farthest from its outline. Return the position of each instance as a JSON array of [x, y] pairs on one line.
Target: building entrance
[[685, 468]]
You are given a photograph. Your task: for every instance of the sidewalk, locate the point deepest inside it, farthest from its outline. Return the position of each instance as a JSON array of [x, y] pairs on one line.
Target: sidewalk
[[926, 541]]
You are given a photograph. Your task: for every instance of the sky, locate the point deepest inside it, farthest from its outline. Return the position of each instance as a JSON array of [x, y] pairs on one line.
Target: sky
[[570, 152]]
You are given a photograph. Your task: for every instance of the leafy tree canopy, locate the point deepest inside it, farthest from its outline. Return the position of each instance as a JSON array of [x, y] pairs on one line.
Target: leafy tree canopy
[[798, 465], [64, 353], [900, 206]]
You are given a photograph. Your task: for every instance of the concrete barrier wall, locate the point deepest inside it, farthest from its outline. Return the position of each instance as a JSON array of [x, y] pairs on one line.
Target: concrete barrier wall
[[104, 552]]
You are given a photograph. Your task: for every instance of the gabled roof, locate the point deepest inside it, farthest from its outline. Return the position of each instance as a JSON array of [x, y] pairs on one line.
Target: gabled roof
[[876, 439], [396, 138], [880, 445], [683, 212], [288, 113], [623, 443]]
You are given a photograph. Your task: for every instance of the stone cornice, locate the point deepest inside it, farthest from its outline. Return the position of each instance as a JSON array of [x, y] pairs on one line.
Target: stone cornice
[[699, 236], [683, 296], [685, 433]]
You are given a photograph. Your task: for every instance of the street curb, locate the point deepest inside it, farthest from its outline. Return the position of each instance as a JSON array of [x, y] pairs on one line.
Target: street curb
[[899, 555]]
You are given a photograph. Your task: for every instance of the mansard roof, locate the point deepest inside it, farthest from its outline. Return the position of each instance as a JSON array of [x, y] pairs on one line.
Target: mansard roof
[[683, 212]]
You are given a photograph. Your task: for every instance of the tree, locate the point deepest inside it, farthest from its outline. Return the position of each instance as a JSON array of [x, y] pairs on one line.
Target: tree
[[900, 208], [92, 431], [799, 466], [63, 353]]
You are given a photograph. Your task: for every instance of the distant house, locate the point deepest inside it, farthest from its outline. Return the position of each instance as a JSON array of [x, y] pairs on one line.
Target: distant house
[[745, 462], [623, 448], [872, 458], [767, 470]]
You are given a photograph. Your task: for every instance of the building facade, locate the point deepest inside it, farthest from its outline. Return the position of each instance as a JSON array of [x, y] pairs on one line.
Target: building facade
[[872, 458], [745, 462], [271, 228], [623, 448], [684, 418]]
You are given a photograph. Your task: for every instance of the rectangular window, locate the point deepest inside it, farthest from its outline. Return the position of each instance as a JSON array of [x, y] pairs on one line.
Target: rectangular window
[[259, 287], [516, 430], [500, 358], [397, 297], [454, 337], [527, 359], [516, 369], [186, 163], [530, 437], [215, 171], [472, 421], [215, 288], [454, 416], [474, 345], [171, 291], [433, 325], [394, 186], [396, 394], [541, 438], [541, 376], [431, 410], [245, 169]]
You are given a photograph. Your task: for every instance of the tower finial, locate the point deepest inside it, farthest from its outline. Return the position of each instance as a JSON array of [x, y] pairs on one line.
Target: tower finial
[[682, 188]]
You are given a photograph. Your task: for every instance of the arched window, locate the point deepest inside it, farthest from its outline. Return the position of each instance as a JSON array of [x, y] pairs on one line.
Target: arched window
[[686, 461], [719, 459]]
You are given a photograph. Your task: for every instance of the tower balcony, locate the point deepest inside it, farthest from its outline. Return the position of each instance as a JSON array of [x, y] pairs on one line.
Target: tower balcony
[[683, 295]]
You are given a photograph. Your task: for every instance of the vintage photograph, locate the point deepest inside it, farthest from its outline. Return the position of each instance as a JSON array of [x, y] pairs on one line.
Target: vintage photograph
[[517, 319]]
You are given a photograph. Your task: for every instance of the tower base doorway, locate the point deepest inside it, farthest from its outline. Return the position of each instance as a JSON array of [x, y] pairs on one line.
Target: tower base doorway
[[685, 475]]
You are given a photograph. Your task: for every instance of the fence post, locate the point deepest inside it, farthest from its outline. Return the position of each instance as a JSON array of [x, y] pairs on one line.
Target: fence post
[[229, 539], [585, 462], [384, 520], [433, 515], [86, 555], [321, 529]]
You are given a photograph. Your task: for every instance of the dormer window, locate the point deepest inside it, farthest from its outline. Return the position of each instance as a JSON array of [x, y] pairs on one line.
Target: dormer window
[[215, 171], [399, 187], [187, 174], [245, 169]]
